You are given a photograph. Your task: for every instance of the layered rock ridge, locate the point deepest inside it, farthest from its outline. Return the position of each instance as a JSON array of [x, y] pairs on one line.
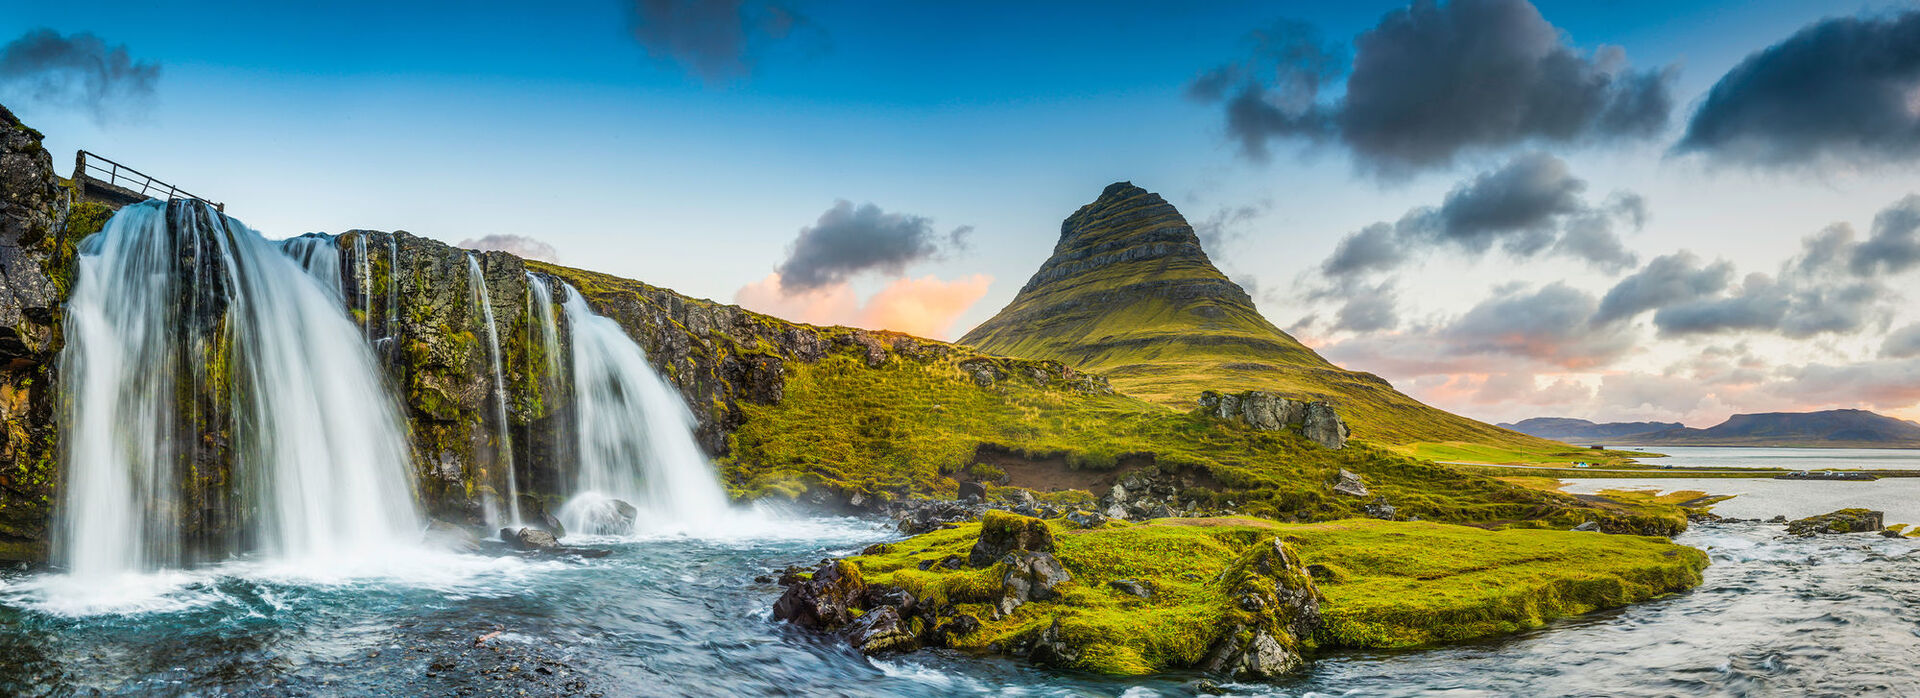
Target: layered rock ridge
[[1130, 293]]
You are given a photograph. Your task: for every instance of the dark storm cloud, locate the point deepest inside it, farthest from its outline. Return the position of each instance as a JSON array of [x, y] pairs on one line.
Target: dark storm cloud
[[1274, 92], [1530, 206], [521, 245], [1841, 89], [78, 71], [1903, 343], [1377, 247], [716, 40], [1518, 205], [848, 240], [1667, 280], [1894, 246], [1431, 81]]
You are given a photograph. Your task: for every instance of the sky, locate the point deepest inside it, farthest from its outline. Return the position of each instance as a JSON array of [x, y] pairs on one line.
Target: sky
[[1618, 211]]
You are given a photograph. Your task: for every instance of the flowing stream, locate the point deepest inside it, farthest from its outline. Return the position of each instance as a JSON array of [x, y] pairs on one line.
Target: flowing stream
[[675, 615], [183, 321]]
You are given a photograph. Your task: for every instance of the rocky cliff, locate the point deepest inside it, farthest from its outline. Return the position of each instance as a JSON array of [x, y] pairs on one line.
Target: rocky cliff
[[33, 208], [1130, 293]]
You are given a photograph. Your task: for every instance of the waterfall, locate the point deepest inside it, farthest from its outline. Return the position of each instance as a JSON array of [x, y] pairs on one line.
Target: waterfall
[[197, 350], [543, 332], [392, 326], [363, 270], [316, 253], [634, 437], [503, 446]]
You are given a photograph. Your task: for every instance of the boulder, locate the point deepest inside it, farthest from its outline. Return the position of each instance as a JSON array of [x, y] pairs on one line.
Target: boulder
[[1269, 583], [1588, 526], [1086, 519], [535, 513], [1030, 576], [1380, 509], [1264, 411], [1128, 586], [826, 601], [1349, 484], [1050, 649], [881, 630], [948, 628], [528, 539], [1002, 533], [1255, 654], [1842, 521], [973, 492]]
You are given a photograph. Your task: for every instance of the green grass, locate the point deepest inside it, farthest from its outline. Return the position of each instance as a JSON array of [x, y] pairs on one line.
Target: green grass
[[907, 427], [1165, 325], [1384, 584], [907, 423]]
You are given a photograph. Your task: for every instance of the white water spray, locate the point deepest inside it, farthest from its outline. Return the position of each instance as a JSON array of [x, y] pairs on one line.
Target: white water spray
[[181, 318], [503, 435], [544, 332], [635, 438]]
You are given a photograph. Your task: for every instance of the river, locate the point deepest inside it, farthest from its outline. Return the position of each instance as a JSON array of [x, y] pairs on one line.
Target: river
[[682, 615]]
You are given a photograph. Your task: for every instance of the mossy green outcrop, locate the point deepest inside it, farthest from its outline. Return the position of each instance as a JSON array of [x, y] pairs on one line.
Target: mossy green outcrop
[[1130, 294], [1379, 585]]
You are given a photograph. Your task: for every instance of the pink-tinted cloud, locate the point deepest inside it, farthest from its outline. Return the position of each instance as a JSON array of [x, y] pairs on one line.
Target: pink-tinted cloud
[[926, 306]]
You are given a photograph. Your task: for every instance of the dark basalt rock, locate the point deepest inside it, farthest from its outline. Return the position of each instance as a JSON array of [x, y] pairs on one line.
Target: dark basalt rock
[[528, 539], [1842, 521], [1030, 576], [1155, 493], [881, 630], [972, 491], [826, 601]]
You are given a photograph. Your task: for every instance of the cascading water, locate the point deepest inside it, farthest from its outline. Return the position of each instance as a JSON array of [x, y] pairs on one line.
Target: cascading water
[[545, 333], [363, 270], [197, 350], [634, 436], [503, 434], [317, 253]]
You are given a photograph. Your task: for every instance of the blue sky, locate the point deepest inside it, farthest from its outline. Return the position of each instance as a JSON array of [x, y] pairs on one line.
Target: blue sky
[[464, 120]]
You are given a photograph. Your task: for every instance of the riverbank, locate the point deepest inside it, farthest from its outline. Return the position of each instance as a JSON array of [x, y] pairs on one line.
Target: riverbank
[[677, 615]]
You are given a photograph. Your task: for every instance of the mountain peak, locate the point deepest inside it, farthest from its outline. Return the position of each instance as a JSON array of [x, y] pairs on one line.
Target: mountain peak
[[1130, 293]]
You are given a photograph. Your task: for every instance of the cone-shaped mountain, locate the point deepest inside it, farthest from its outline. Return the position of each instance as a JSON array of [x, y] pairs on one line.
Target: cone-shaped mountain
[[1130, 293]]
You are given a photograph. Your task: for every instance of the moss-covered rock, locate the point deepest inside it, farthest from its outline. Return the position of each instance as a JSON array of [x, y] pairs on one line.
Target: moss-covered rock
[[32, 209], [1252, 598], [1842, 521]]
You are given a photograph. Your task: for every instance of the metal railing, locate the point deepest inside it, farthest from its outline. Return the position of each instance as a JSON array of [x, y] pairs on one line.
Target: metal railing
[[105, 171]]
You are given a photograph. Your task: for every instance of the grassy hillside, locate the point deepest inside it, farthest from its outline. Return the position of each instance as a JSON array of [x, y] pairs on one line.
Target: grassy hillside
[[886, 415], [912, 424], [1130, 294]]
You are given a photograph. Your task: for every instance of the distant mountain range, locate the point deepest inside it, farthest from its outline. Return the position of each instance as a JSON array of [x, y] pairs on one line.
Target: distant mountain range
[[1829, 429]]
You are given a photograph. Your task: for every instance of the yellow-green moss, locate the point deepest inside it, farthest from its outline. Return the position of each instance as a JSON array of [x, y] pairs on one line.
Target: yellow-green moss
[[906, 427], [1384, 584]]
